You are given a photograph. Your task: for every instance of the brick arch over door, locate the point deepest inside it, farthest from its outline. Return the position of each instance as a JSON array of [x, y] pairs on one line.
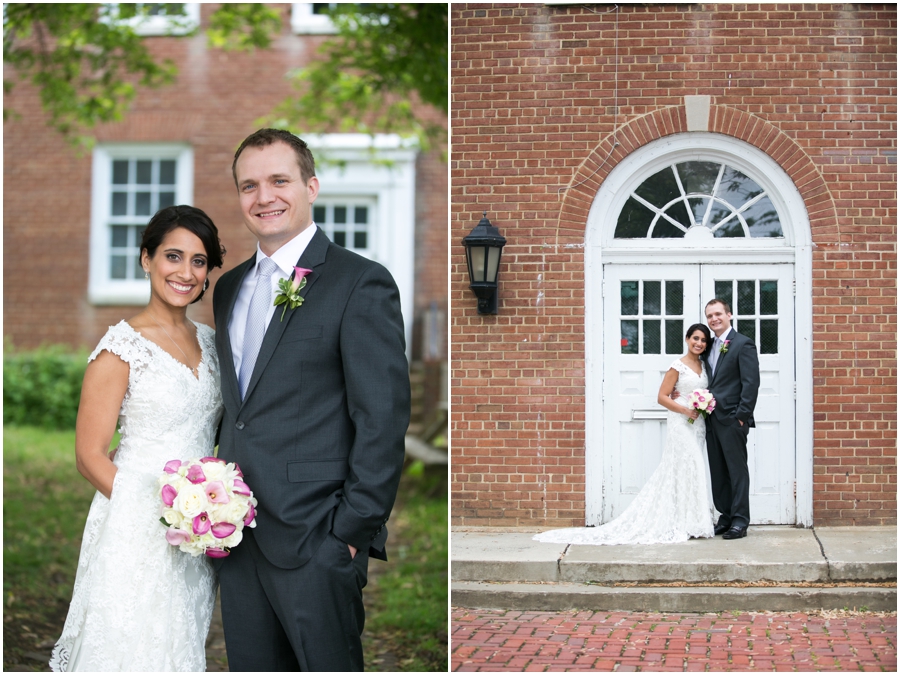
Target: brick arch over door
[[579, 196]]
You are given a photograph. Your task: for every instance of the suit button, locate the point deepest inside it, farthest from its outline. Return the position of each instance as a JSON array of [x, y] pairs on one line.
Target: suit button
[[239, 426]]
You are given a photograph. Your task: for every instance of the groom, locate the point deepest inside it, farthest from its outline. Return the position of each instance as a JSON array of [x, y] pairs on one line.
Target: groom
[[316, 409], [734, 384]]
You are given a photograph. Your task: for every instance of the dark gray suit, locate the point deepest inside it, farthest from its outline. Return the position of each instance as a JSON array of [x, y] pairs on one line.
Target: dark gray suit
[[320, 439], [734, 385]]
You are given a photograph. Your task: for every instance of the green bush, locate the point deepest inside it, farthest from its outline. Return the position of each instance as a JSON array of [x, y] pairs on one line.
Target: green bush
[[41, 388]]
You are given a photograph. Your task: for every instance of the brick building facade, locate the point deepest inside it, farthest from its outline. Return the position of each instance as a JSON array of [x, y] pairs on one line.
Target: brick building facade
[[559, 112], [55, 242]]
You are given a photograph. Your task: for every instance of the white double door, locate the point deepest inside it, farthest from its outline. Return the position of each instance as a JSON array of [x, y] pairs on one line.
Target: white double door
[[647, 309]]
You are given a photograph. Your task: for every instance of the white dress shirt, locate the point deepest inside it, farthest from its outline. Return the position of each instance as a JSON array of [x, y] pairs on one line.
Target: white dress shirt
[[285, 257]]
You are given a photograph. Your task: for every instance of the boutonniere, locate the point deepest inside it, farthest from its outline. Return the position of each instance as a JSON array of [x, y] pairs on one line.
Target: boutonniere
[[290, 290], [724, 348]]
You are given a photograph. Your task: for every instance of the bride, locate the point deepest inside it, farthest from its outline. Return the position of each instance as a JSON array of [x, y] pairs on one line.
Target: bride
[[676, 503], [139, 603]]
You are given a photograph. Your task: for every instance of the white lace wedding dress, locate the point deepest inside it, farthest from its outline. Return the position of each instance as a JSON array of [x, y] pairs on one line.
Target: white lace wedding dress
[[676, 502], [138, 603]]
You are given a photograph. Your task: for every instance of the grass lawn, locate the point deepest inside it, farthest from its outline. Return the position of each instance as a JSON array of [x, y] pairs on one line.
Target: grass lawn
[[45, 505]]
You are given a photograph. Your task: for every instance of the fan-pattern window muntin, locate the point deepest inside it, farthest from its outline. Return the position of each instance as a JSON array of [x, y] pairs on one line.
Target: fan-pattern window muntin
[[652, 316], [140, 188], [705, 194], [347, 223], [754, 309]]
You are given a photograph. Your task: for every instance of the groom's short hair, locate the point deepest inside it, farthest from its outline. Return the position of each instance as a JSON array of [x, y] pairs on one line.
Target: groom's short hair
[[719, 301], [266, 137]]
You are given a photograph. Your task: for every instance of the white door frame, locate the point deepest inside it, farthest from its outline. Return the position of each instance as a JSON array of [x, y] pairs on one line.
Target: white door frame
[[601, 247]]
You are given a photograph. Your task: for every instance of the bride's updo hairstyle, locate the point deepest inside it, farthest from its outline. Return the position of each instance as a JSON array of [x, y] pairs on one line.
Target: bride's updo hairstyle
[[703, 329], [194, 221]]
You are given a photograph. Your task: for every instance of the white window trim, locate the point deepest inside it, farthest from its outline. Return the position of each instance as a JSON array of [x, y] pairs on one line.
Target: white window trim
[[102, 290], [304, 22], [344, 166], [148, 26], [796, 247]]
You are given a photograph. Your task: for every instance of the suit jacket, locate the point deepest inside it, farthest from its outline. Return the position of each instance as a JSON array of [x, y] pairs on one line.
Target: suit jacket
[[735, 383], [320, 433]]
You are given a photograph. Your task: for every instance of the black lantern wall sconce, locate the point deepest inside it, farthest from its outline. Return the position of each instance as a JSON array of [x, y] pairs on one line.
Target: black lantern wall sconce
[[483, 247]]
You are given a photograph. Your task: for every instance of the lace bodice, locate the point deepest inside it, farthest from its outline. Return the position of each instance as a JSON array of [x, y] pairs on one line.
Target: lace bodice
[[167, 411], [138, 603], [688, 380]]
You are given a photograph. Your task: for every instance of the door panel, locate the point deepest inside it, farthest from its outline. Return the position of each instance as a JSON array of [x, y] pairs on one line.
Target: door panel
[[647, 309]]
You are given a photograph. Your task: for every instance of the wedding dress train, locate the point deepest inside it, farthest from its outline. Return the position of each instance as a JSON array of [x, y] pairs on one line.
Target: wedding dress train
[[140, 604], [676, 502]]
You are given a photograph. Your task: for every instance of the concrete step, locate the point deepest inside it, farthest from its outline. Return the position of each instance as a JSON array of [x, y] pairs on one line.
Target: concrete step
[[566, 596], [786, 568], [768, 553]]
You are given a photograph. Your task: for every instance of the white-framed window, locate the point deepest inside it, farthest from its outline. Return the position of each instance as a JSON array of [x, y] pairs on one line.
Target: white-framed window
[[348, 221], [312, 18], [367, 202], [149, 18], [131, 182]]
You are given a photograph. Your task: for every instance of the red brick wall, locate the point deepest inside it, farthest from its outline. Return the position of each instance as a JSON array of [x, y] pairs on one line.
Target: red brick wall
[[532, 111], [215, 102]]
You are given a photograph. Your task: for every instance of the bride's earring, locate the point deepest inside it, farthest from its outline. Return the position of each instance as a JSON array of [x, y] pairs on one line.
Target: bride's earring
[[146, 274]]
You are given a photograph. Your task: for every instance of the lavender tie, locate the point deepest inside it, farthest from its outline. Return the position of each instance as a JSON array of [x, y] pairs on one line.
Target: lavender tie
[[256, 321]]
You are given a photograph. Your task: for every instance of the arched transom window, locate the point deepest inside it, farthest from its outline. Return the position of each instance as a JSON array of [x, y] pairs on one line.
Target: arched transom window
[[698, 198]]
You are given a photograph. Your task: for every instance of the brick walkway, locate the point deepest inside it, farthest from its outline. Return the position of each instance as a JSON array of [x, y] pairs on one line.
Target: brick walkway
[[500, 640]]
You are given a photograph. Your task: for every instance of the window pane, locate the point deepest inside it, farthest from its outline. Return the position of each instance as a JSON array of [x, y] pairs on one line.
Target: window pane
[[142, 204], [746, 303], [634, 221], [652, 342], [118, 267], [120, 171], [768, 336], [732, 228], [677, 212], [652, 297], [698, 209], [746, 327], [718, 213], [698, 177], [724, 292], [630, 299], [167, 172], [361, 214], [736, 188], [762, 219], [120, 203], [359, 240], [119, 236], [674, 339], [340, 238], [768, 297], [319, 214], [660, 188], [674, 297], [629, 336], [144, 167], [166, 199], [340, 214]]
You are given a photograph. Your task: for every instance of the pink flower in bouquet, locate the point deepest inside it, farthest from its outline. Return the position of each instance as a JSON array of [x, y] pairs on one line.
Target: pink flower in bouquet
[[168, 495], [240, 488], [195, 474], [216, 493], [238, 469], [207, 460], [250, 517], [201, 524], [222, 530], [217, 553], [177, 537], [172, 466]]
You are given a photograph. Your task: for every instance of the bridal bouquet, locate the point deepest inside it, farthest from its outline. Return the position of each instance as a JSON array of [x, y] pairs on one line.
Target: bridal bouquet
[[703, 401], [205, 505]]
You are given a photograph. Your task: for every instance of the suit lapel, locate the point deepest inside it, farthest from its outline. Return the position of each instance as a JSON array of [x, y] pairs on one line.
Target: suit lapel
[[226, 358], [721, 358], [312, 257]]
